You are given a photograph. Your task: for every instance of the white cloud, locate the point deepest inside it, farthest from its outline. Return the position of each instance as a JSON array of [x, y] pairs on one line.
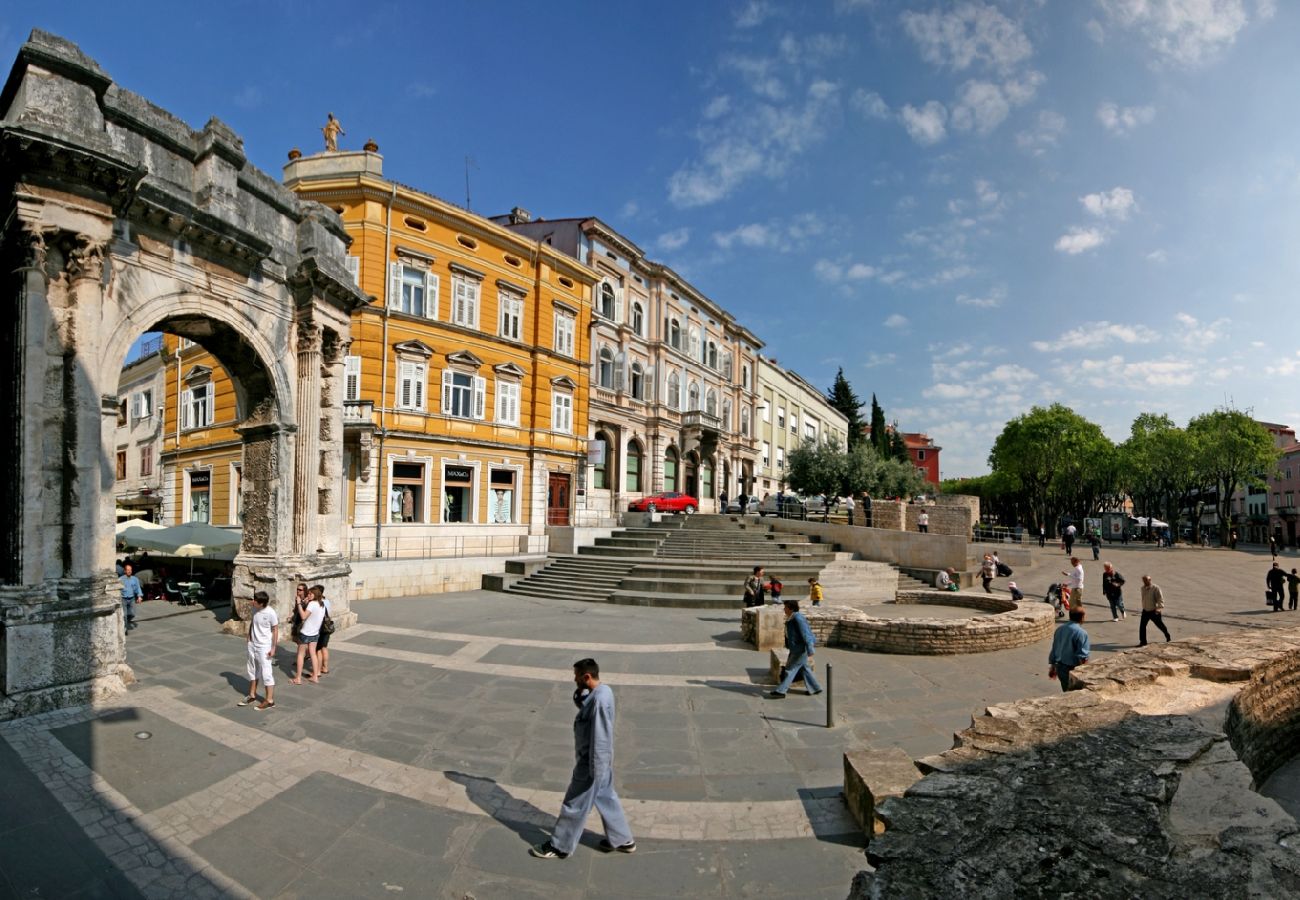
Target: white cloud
[[1079, 240], [1095, 334], [1195, 333], [1184, 32], [1095, 31], [754, 13], [968, 33], [1122, 119], [1287, 367], [673, 240], [875, 360], [986, 193], [990, 300], [927, 124], [812, 50], [980, 107], [1114, 371], [751, 235], [1158, 256], [870, 104], [717, 107], [896, 321], [1117, 203], [248, 98], [838, 273], [629, 210], [1044, 135]]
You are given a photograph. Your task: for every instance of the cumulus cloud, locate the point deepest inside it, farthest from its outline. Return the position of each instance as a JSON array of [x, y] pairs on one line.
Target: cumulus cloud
[[1184, 32], [875, 360], [839, 273], [754, 13], [751, 235], [1287, 367], [1045, 133], [717, 107], [870, 104], [1117, 203], [896, 321], [966, 34], [673, 240], [1122, 119], [991, 300], [1158, 256], [1080, 240], [1095, 335], [1115, 371], [926, 125], [1195, 333]]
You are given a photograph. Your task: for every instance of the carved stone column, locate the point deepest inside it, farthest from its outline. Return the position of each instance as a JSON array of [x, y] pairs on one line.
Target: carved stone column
[[306, 469], [330, 508]]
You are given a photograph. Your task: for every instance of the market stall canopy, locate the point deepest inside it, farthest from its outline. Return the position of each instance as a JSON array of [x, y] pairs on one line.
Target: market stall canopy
[[196, 538], [1146, 522], [126, 529]]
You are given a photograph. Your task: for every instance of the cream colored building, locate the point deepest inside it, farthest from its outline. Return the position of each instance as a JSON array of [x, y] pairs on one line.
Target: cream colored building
[[138, 481], [790, 411]]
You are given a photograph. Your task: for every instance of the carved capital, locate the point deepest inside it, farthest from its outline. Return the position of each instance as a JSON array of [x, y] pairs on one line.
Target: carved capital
[[86, 259], [33, 248], [309, 337], [333, 349]]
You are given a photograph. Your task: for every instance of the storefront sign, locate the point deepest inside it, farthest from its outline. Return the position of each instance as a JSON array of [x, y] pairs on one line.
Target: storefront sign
[[458, 473]]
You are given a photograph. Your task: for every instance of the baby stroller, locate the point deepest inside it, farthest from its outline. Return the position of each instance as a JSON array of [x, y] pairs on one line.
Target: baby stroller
[[1059, 596]]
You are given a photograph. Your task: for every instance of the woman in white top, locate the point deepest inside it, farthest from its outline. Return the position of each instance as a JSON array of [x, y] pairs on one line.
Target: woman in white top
[[323, 645], [312, 613]]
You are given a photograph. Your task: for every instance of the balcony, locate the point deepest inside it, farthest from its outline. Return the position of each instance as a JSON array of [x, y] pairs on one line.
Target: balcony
[[1286, 512], [698, 418], [358, 413]]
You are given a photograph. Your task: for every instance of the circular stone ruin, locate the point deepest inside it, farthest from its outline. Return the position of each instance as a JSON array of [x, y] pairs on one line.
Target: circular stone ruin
[[1001, 624], [1141, 784]]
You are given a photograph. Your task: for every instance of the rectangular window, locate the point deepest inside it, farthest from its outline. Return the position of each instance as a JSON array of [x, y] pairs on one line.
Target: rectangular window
[[765, 413], [354, 269], [351, 378], [507, 402], [412, 291], [1290, 499], [501, 496], [142, 404], [562, 413], [767, 454], [196, 406], [810, 431], [411, 381], [121, 411], [406, 494], [200, 495], [794, 424], [780, 417], [512, 316], [121, 465], [780, 457], [457, 493], [564, 328], [920, 455], [633, 482], [146, 460], [464, 301], [463, 396]]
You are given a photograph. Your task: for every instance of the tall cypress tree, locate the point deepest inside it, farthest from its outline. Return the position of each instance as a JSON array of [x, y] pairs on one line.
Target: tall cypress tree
[[897, 446], [879, 434], [842, 397]]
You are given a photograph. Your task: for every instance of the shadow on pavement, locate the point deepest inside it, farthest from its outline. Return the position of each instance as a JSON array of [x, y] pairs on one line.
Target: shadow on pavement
[[519, 816]]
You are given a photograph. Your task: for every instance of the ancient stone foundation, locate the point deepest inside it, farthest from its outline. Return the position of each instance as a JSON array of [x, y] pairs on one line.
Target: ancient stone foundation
[[1011, 625], [1141, 784]]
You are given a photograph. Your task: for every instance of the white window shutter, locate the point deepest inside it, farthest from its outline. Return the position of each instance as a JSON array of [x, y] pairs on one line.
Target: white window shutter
[[354, 268], [620, 368], [394, 285], [446, 392], [480, 397], [404, 377], [352, 377], [431, 294], [212, 403], [618, 305], [420, 375], [187, 403]]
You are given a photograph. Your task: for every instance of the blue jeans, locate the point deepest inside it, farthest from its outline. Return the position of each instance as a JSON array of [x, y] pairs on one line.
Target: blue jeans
[[1063, 673], [582, 795], [128, 611], [792, 668], [1116, 605]]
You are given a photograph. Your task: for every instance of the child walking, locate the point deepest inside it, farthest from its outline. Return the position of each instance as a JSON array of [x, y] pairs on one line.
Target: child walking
[[815, 591], [263, 636]]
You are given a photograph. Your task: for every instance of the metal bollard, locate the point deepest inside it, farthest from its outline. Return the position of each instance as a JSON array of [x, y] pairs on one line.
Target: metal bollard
[[830, 696]]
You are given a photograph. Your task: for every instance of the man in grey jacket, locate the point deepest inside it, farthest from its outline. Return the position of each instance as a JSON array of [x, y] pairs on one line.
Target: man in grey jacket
[[799, 641], [592, 782]]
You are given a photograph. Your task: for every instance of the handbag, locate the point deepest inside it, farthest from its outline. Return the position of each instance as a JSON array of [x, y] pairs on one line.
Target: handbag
[[327, 625]]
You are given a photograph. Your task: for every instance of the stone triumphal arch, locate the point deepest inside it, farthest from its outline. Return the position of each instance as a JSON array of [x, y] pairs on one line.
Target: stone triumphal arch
[[120, 219]]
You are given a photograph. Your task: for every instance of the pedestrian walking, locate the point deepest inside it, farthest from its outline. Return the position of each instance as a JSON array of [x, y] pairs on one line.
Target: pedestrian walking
[[1070, 649], [131, 594], [849, 506], [1276, 580], [263, 637], [923, 522], [1293, 585], [592, 782], [722, 501], [1042, 537], [754, 589], [1112, 588], [1153, 608], [326, 629], [311, 612], [987, 571], [1074, 581], [1068, 537], [1094, 539], [1272, 545], [774, 585], [800, 642], [814, 591]]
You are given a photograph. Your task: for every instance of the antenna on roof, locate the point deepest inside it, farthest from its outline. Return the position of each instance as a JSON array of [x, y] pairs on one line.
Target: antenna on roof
[[469, 161]]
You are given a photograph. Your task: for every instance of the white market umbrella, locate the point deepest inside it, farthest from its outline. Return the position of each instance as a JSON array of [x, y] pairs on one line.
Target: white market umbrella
[[129, 513], [197, 538], [125, 529]]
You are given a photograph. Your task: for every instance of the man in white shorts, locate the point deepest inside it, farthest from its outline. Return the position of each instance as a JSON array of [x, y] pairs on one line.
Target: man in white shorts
[[263, 637]]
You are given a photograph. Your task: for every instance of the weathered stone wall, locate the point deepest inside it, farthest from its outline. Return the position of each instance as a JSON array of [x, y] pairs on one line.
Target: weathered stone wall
[[900, 548], [957, 519], [1129, 787], [1011, 625], [889, 515]]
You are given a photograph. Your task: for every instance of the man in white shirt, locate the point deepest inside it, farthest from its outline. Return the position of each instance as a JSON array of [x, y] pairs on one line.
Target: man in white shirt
[[1074, 579], [263, 636]]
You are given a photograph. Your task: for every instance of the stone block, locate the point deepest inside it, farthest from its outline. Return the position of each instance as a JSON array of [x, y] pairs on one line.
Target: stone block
[[769, 632], [871, 776]]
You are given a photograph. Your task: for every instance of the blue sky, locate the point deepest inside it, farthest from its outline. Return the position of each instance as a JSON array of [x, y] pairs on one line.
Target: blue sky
[[972, 207]]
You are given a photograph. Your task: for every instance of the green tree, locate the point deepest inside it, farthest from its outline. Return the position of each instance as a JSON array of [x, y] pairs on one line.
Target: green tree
[[842, 397], [817, 468], [1234, 449], [879, 433], [1159, 468], [897, 446]]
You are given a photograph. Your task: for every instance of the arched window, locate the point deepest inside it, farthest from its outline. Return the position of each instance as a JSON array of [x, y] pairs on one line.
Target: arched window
[[638, 319], [607, 300], [670, 469], [674, 397], [674, 334], [635, 458], [694, 348], [693, 396], [726, 415], [726, 366], [711, 402], [744, 377], [600, 470], [605, 368], [744, 421], [637, 384], [713, 355]]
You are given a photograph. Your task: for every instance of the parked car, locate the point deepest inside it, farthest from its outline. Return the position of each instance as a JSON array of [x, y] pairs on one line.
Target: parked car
[[665, 501], [751, 507], [792, 506]]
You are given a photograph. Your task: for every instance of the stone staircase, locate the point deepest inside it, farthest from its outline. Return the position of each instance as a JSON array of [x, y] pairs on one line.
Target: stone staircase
[[694, 562]]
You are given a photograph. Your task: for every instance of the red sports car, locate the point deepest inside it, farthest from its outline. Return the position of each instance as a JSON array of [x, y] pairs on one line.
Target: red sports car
[[667, 501]]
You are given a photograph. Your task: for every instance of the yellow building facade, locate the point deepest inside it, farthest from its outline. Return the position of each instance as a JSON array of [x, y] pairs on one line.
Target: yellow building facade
[[465, 412]]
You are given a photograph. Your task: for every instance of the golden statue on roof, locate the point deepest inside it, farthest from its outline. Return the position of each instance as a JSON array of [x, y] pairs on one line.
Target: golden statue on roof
[[332, 130]]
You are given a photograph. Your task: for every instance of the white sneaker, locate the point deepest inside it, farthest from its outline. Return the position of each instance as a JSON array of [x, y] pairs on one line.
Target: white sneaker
[[1116, 619]]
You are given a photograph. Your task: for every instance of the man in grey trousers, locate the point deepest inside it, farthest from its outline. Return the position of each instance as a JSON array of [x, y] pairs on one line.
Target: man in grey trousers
[[592, 783]]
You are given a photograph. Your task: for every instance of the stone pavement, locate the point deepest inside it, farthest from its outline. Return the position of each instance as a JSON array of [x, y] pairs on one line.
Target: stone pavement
[[440, 744]]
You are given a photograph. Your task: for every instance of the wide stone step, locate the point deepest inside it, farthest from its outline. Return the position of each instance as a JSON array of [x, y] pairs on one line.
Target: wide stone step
[[551, 594], [617, 551], [728, 587], [674, 601], [560, 579]]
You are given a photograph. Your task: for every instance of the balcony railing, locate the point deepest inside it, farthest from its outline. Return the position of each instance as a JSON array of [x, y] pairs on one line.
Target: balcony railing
[[359, 412], [698, 418]]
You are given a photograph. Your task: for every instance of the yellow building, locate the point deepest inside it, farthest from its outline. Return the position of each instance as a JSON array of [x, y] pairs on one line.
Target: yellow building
[[467, 381]]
